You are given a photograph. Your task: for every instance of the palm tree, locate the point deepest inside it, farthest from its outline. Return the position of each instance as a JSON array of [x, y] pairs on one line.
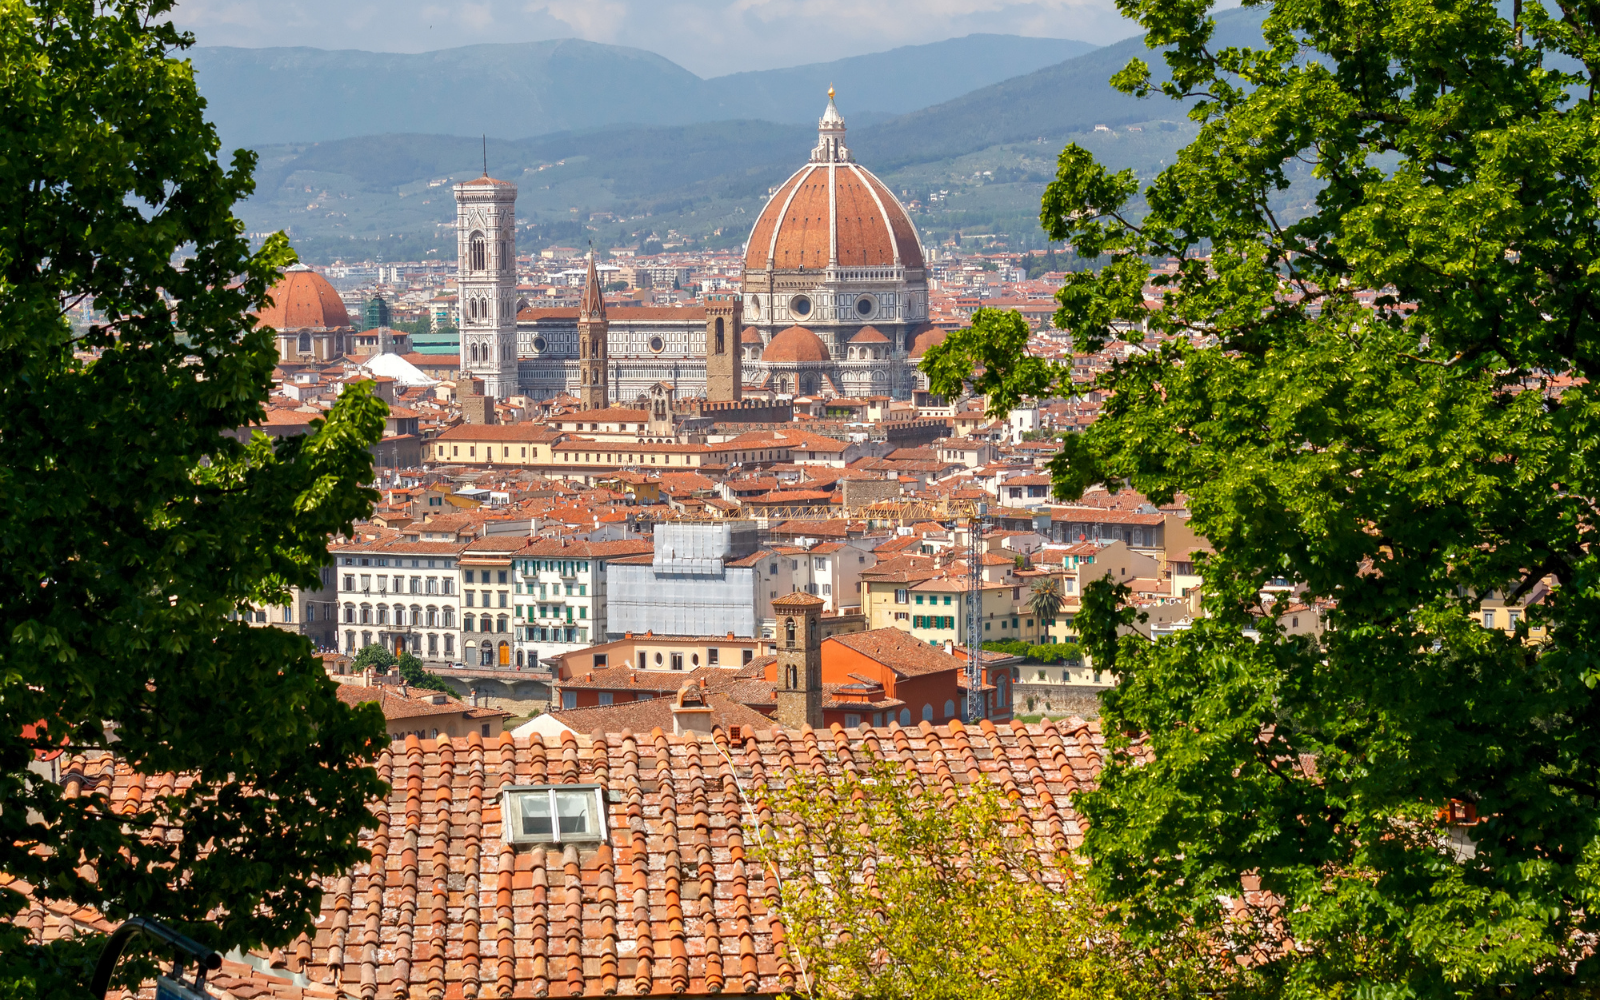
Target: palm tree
[[1044, 599]]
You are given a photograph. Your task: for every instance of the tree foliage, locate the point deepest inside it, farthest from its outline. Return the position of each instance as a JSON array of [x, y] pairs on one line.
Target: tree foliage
[[135, 527], [412, 672], [1045, 597], [1388, 395], [375, 655], [892, 890]]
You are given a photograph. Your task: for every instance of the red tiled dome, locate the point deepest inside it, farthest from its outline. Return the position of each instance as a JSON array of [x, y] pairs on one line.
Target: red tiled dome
[[795, 229], [796, 345], [750, 337], [303, 300], [869, 335], [927, 336]]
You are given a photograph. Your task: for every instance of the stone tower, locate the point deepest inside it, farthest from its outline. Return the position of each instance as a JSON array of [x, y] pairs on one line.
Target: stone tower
[[724, 322], [592, 331], [799, 660], [486, 283]]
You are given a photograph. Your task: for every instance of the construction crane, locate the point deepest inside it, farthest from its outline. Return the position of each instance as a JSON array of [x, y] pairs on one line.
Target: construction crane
[[975, 522]]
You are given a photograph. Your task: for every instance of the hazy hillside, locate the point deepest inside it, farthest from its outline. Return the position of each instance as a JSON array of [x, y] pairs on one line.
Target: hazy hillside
[[893, 82], [1072, 96], [281, 95], [976, 166]]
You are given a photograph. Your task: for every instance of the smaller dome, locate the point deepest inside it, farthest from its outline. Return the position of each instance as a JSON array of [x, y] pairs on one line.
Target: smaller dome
[[869, 335], [927, 336], [796, 345], [751, 337], [303, 300]]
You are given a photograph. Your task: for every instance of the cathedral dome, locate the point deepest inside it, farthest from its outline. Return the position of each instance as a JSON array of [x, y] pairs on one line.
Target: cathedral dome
[[832, 212], [796, 345], [750, 337], [927, 336], [303, 300], [869, 335]]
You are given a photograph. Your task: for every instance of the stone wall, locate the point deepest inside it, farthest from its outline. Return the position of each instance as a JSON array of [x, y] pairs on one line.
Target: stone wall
[[1056, 700]]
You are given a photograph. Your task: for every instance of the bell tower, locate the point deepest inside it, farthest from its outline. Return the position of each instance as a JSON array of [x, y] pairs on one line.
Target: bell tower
[[592, 335], [486, 282], [724, 323], [799, 660]]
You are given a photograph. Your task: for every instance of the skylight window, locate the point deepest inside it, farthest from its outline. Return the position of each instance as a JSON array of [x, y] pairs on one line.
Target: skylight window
[[553, 814]]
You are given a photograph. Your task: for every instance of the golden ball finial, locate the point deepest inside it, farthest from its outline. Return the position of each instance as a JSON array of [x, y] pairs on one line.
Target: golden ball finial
[[830, 91]]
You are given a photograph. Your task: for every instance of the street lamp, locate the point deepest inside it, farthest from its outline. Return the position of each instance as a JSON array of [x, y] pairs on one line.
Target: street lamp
[[170, 987]]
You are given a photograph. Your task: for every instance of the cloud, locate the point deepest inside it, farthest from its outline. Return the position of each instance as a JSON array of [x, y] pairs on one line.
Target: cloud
[[708, 37]]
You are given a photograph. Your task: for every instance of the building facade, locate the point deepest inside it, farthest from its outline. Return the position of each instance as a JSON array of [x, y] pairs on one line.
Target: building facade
[[834, 296], [402, 595], [486, 282], [561, 595]]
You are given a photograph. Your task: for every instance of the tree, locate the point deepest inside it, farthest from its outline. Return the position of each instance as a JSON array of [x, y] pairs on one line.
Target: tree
[[1044, 597], [893, 890], [136, 526], [1384, 385], [412, 672], [375, 655]]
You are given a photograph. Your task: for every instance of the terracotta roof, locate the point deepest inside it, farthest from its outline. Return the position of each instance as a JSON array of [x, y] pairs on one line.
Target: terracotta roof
[[656, 714], [799, 600], [497, 432], [869, 335], [669, 903], [796, 345], [303, 300], [927, 336], [418, 704], [856, 221], [750, 335], [900, 651], [552, 548]]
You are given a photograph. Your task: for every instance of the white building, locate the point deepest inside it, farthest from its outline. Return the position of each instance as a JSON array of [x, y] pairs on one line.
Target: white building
[[402, 595], [561, 594]]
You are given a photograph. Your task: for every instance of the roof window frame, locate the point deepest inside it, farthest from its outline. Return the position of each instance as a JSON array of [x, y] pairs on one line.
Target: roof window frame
[[512, 833]]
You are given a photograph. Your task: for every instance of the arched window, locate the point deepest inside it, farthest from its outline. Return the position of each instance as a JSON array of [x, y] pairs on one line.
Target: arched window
[[478, 252], [500, 624], [905, 716], [467, 622], [927, 713], [788, 632], [383, 614], [722, 346], [949, 709], [366, 614], [416, 615], [305, 343], [350, 613]]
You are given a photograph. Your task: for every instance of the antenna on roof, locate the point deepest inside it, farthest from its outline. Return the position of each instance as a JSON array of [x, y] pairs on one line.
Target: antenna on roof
[[486, 154]]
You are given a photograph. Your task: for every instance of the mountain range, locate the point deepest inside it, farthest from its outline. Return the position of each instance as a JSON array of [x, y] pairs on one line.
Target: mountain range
[[513, 91], [971, 167]]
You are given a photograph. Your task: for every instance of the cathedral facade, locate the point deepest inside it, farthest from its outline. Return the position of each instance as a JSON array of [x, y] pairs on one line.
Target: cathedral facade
[[834, 296]]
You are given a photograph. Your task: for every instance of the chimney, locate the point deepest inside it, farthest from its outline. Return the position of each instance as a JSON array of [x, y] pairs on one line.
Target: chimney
[[403, 692], [473, 696], [950, 647], [366, 677], [690, 713]]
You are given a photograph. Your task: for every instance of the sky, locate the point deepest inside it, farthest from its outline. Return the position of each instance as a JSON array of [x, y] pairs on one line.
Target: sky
[[708, 37]]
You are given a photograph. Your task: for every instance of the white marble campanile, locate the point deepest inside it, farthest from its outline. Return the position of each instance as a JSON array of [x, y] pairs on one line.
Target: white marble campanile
[[486, 282]]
